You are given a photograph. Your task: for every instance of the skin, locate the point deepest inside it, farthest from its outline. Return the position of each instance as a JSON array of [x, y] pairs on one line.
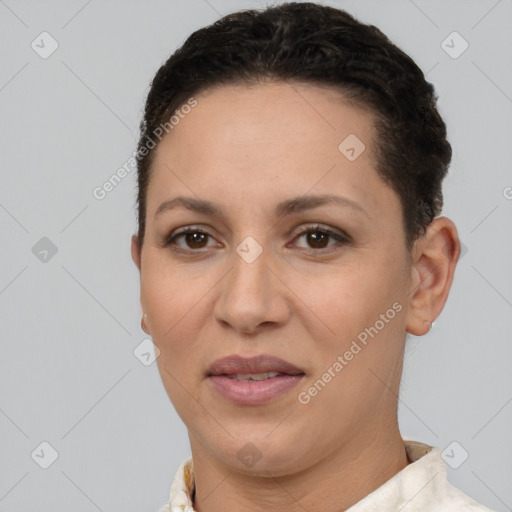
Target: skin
[[304, 299]]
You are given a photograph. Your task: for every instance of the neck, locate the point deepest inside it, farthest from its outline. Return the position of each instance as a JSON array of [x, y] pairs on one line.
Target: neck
[[334, 484]]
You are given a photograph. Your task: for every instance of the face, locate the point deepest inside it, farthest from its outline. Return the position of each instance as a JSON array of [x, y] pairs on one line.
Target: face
[[250, 280]]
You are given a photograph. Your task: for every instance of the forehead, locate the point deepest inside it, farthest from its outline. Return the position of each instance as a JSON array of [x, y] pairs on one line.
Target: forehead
[[284, 138], [251, 114]]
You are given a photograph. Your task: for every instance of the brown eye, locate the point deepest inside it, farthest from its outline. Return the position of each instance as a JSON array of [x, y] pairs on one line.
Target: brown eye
[[194, 239], [317, 238]]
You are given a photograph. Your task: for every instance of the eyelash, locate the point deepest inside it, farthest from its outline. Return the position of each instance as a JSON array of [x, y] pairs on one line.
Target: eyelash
[[344, 239]]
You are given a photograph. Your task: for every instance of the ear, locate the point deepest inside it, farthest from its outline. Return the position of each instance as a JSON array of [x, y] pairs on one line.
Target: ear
[[435, 256], [136, 257], [136, 251]]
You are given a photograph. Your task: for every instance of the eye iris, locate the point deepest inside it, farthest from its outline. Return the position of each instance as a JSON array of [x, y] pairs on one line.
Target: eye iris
[[317, 237], [194, 238]]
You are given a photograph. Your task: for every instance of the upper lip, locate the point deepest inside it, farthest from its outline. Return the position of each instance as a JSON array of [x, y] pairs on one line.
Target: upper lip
[[236, 364]]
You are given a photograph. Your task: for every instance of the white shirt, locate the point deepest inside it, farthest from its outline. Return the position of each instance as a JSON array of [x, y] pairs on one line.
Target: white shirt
[[422, 486]]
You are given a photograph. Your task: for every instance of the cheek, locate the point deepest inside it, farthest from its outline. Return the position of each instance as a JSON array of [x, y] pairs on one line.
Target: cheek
[[362, 353], [360, 302], [174, 298], [177, 308]]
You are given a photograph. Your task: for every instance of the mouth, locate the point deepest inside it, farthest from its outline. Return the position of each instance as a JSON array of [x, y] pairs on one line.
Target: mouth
[[255, 380]]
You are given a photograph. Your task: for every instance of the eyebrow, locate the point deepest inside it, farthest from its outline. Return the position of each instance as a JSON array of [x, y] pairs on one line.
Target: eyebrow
[[288, 207]]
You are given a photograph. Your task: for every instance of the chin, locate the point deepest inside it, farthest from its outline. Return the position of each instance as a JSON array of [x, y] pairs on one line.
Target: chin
[[258, 454]]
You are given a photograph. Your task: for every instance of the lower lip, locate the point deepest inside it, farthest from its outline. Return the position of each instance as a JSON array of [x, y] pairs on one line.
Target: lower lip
[[254, 392]]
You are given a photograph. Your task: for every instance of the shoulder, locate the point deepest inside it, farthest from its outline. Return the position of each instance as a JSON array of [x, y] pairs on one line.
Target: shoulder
[[454, 498], [428, 469]]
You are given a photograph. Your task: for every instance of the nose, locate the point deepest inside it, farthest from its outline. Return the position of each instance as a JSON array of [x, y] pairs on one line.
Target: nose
[[252, 297]]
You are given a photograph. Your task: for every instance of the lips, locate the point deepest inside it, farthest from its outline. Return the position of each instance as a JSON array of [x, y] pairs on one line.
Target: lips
[[252, 368], [253, 381]]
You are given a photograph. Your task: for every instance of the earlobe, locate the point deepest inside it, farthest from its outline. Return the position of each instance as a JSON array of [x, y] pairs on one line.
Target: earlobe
[[136, 257], [434, 262], [143, 324]]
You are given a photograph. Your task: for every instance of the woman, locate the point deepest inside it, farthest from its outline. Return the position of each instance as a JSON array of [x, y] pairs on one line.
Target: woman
[[289, 190]]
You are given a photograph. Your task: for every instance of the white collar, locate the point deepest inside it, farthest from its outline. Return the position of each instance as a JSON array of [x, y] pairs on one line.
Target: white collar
[[421, 486]]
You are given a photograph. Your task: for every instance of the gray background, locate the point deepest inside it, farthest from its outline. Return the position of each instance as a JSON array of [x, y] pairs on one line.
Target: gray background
[[70, 323]]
